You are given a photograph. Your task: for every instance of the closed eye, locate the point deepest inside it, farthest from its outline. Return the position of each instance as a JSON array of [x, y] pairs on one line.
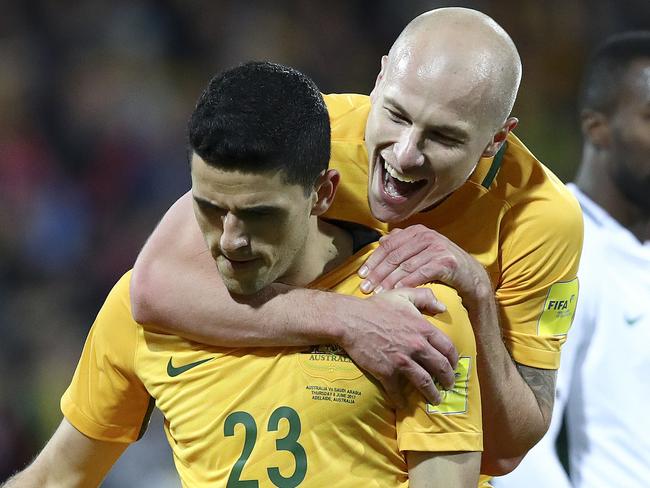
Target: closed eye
[[443, 139], [396, 116], [208, 208]]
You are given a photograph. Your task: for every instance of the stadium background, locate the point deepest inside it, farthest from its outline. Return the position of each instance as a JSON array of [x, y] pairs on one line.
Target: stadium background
[[94, 96]]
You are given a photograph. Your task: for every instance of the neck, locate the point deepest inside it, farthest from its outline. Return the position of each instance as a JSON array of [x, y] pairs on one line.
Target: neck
[[326, 247], [594, 180]]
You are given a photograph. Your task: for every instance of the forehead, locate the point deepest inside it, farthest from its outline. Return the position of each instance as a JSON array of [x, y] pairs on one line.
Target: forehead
[[636, 83], [236, 189], [436, 88]]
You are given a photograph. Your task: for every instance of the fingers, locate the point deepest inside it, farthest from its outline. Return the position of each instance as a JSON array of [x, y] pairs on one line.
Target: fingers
[[415, 271], [443, 346], [423, 381], [394, 391], [386, 259], [423, 298], [387, 243]]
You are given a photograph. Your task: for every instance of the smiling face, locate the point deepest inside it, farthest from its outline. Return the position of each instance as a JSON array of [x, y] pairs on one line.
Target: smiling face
[[426, 131], [440, 103], [255, 224]]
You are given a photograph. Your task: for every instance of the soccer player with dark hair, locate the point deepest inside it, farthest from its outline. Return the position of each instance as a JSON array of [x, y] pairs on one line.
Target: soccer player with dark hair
[[283, 416], [602, 383], [429, 156]]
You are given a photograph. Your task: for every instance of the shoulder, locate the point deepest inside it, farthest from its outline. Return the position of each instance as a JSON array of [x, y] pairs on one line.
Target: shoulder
[[348, 113], [532, 193], [115, 321], [454, 322]]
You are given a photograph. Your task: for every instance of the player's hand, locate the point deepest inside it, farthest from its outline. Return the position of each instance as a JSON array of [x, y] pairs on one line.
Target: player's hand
[[388, 337], [417, 255]]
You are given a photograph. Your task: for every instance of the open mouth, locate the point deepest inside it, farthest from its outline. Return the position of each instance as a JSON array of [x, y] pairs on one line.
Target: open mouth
[[398, 186]]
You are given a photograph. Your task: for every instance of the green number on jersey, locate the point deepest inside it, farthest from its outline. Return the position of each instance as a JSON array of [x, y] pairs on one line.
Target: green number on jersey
[[288, 443], [250, 428]]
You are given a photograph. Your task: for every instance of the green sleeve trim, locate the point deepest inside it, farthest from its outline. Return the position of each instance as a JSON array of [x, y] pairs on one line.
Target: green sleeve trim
[[147, 418], [496, 164]]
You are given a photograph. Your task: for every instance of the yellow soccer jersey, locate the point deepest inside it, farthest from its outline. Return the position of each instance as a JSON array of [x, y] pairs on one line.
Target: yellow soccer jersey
[[513, 215], [276, 416]]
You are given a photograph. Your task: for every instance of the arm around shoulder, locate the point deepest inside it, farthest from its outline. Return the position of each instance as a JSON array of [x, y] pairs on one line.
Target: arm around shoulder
[[70, 459], [174, 250], [176, 286]]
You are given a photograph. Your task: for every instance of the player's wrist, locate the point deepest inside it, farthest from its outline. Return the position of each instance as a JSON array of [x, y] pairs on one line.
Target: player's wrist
[[480, 291], [328, 316]]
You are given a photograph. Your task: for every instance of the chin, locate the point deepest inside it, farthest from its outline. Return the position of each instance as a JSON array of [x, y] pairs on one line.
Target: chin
[[243, 288], [387, 214]]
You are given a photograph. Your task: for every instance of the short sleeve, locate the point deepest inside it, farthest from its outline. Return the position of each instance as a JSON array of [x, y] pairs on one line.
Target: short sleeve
[[538, 292], [105, 399], [454, 424]]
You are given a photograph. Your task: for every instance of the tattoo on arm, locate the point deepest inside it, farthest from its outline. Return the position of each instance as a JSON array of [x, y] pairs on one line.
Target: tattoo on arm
[[542, 384]]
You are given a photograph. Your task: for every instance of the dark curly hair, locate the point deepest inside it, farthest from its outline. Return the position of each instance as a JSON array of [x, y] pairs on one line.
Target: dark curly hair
[[260, 117]]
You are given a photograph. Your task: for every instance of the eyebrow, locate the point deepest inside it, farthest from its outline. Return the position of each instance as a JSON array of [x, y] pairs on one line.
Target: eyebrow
[[246, 209], [445, 129], [204, 201]]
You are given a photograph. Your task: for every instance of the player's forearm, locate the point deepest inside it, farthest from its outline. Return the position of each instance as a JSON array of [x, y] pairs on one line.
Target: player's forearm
[[513, 421], [40, 478], [198, 306], [450, 469], [46, 472], [176, 286], [29, 478]]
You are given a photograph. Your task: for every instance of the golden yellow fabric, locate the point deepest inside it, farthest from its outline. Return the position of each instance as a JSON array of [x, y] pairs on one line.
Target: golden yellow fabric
[[281, 416], [513, 215]]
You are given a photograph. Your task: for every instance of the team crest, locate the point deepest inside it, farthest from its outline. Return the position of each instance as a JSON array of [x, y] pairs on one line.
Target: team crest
[[328, 361]]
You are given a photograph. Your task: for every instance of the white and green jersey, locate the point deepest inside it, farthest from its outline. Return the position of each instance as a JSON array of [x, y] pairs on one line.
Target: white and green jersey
[[603, 390]]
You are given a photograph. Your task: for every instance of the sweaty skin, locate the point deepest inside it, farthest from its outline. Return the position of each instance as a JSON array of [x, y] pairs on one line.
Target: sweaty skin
[[441, 102]]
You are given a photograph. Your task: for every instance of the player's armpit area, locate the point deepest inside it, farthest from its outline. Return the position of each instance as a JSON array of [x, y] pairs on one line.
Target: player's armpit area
[[542, 384]]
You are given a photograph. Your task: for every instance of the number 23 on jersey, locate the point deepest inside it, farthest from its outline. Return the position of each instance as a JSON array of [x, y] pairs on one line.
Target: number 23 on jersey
[[288, 443]]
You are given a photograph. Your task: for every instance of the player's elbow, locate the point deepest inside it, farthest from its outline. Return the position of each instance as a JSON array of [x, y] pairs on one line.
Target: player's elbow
[[499, 466]]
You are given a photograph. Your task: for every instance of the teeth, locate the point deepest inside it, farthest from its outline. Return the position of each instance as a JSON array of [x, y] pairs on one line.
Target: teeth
[[399, 176]]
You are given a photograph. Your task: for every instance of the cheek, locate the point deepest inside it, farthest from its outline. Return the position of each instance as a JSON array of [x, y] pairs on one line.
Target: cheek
[[451, 165], [272, 239], [641, 141], [377, 128], [633, 147], [211, 233]]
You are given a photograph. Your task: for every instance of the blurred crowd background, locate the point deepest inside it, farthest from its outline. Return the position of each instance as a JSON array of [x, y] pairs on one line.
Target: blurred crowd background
[[94, 97]]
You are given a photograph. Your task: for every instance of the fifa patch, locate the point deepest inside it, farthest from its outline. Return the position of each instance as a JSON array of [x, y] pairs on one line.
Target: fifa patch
[[455, 400], [559, 309]]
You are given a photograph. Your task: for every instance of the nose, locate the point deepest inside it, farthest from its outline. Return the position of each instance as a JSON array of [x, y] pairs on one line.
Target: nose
[[408, 153], [234, 235]]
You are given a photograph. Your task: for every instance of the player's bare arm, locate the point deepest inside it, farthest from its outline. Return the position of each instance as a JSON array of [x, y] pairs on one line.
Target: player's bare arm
[[178, 287], [542, 384], [517, 400], [69, 459], [450, 469]]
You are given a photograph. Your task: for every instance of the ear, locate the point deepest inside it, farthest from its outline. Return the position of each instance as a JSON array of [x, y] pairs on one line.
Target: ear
[[380, 75], [500, 137], [595, 128], [324, 191]]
